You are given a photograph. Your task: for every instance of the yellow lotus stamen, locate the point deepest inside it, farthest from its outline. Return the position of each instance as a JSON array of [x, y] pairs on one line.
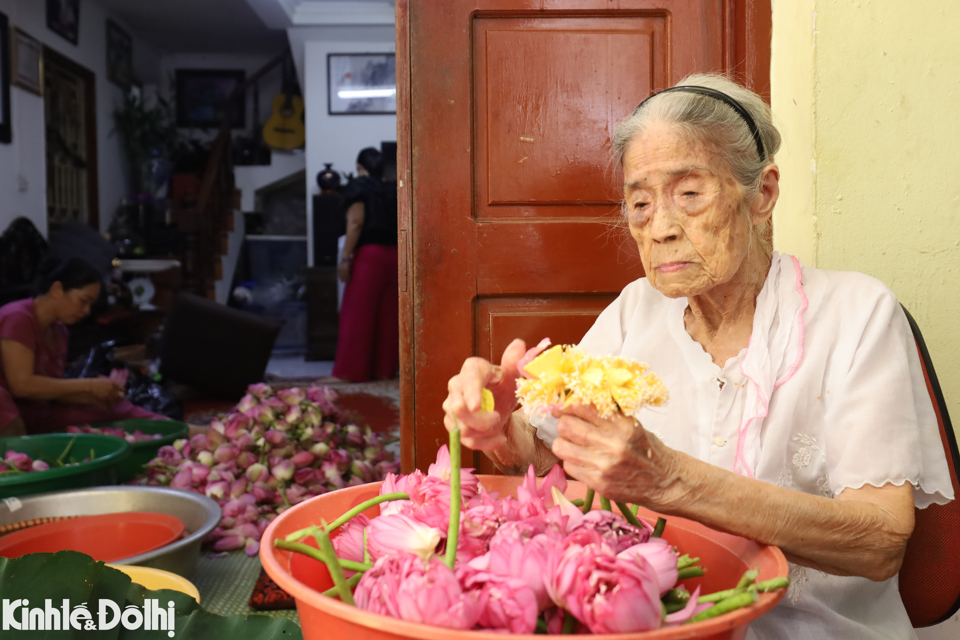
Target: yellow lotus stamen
[[565, 375]]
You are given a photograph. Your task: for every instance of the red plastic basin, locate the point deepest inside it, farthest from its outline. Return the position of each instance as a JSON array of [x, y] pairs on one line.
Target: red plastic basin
[[109, 537], [726, 558]]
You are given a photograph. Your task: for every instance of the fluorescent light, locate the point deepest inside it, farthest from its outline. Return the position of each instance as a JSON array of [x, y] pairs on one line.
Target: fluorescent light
[[347, 94]]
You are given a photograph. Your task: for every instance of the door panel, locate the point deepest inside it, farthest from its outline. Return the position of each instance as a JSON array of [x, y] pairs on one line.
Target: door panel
[[508, 196]]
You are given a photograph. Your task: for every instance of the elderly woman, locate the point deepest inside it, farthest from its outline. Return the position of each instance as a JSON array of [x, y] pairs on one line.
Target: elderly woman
[[799, 416]]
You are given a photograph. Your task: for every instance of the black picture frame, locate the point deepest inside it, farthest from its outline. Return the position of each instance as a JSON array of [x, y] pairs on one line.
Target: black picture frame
[[201, 96], [119, 56], [63, 18], [6, 130], [358, 73]]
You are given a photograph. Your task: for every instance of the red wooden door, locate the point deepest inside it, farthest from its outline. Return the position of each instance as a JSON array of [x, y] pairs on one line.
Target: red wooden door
[[509, 222]]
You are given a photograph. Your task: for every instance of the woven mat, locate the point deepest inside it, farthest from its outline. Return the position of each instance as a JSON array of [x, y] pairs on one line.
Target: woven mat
[[225, 585]]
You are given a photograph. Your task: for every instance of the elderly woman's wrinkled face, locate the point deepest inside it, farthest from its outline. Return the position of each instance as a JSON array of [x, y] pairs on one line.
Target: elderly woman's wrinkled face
[[684, 210]]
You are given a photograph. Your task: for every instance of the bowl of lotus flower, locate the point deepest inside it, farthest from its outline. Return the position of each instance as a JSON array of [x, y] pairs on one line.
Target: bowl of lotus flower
[[726, 558]]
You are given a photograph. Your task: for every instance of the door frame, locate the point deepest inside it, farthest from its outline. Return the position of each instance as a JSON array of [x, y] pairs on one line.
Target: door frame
[[746, 50]]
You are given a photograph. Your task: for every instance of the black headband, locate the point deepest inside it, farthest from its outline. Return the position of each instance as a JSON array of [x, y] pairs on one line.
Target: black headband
[[719, 95]]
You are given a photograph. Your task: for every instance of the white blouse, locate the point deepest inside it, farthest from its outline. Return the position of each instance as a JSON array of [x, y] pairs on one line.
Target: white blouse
[[855, 411]]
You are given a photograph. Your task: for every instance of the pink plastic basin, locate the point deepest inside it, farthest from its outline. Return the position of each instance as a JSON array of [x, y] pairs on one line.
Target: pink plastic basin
[[726, 558]]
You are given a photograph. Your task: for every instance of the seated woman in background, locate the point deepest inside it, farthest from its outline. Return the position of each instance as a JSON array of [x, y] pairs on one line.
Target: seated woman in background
[[34, 397]]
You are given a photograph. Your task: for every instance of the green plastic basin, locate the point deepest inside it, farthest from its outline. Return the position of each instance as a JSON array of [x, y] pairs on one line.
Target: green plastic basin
[[143, 452], [102, 470]]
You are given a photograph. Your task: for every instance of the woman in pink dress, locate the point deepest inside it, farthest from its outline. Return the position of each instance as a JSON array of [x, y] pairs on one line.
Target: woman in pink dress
[[34, 397]]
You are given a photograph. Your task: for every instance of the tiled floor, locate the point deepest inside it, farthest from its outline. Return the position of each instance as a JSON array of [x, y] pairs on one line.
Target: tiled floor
[[297, 367]]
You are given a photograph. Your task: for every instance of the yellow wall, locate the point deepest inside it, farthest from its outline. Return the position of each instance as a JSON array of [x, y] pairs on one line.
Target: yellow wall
[[868, 96]]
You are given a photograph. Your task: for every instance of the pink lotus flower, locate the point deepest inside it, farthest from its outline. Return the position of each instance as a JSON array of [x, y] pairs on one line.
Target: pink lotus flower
[[618, 533], [441, 470], [506, 604], [661, 557], [534, 500], [522, 550], [398, 533], [427, 591], [609, 594], [349, 542], [530, 355]]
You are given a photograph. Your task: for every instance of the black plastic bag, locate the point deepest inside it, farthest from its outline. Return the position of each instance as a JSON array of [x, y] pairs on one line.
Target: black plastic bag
[[141, 390]]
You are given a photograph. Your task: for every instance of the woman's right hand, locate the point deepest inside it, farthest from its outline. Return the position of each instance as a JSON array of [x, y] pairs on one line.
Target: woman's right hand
[[484, 430], [104, 392]]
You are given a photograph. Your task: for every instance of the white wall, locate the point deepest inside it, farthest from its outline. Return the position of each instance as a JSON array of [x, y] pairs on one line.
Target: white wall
[[23, 162], [336, 139]]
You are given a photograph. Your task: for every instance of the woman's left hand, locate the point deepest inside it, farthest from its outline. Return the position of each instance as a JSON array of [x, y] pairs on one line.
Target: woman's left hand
[[616, 457]]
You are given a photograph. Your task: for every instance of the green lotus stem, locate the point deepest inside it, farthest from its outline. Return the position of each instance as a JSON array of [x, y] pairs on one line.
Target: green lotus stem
[[604, 503], [541, 626], [676, 595], [363, 506], [577, 502], [319, 555], [67, 451], [658, 528], [685, 561], [366, 551], [333, 564], [281, 489], [628, 515], [587, 502], [301, 533], [748, 578], [763, 587], [569, 624], [453, 533], [743, 599], [673, 607], [10, 471], [634, 509], [351, 582], [690, 572]]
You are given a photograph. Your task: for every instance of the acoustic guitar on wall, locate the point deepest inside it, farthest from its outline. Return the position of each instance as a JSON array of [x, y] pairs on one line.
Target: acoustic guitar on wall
[[285, 128]]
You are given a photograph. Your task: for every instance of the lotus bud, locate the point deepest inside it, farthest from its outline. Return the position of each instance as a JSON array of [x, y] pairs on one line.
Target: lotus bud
[[257, 472], [304, 476], [232, 539], [214, 476], [362, 469], [291, 397], [206, 458], [302, 459], [305, 434], [167, 455], [178, 443], [320, 449], [247, 403], [238, 488], [228, 523], [285, 452], [355, 481], [283, 471], [39, 465], [252, 547], [199, 441], [245, 459], [225, 453], [263, 493], [231, 509], [217, 490], [262, 525], [215, 438], [260, 390], [186, 451], [370, 454], [275, 437], [293, 415], [182, 480], [248, 499], [296, 494], [243, 440]]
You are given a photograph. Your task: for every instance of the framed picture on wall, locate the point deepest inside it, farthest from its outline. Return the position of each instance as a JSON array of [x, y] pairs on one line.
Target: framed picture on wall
[[63, 18], [27, 62], [202, 96], [361, 83], [119, 56], [5, 128]]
